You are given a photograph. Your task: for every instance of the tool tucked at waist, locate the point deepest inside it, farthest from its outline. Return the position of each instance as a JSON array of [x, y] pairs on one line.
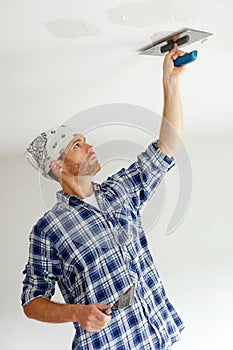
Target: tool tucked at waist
[[126, 299]]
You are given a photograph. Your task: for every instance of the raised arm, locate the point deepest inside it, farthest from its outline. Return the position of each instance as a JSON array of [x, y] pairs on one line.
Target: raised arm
[[171, 127]]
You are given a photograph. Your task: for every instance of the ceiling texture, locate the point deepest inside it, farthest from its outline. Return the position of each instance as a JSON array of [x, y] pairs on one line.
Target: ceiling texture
[[61, 57]]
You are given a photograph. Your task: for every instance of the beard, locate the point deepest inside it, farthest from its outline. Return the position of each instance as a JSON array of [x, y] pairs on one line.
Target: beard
[[89, 168]]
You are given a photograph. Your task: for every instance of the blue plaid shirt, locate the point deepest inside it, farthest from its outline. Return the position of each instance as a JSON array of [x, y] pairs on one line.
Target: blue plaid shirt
[[96, 254]]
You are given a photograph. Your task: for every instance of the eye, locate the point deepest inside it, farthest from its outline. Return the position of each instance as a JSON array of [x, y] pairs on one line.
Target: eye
[[76, 145]]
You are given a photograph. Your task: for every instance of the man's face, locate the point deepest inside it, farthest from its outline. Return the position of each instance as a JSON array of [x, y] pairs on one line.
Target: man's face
[[80, 159]]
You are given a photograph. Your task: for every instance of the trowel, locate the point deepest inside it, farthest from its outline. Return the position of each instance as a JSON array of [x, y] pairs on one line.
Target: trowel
[[162, 43], [125, 300]]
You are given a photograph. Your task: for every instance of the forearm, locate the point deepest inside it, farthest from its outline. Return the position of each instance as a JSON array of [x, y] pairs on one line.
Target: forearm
[[172, 122], [171, 127], [90, 317], [45, 310]]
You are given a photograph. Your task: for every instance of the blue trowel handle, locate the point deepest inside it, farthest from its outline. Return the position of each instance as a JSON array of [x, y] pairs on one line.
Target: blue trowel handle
[[185, 59]]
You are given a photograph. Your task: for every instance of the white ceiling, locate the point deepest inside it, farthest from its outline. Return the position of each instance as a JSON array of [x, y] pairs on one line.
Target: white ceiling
[[61, 57]]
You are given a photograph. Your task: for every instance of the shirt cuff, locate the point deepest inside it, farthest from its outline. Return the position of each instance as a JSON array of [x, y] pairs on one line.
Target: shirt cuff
[[159, 156], [31, 293]]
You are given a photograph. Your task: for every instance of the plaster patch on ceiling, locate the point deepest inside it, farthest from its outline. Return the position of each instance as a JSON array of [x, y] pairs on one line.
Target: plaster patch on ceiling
[[71, 28], [141, 13]]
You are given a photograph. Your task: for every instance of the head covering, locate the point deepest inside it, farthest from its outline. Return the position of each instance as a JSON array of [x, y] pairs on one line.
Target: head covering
[[48, 146]]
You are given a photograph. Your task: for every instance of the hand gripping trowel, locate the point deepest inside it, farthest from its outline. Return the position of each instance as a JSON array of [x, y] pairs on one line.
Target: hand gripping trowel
[[162, 43]]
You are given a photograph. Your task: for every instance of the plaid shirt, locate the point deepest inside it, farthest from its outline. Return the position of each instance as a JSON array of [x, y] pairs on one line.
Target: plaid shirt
[[96, 254]]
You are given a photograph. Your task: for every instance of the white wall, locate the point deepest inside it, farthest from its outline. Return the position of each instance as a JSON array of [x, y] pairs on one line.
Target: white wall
[[195, 262]]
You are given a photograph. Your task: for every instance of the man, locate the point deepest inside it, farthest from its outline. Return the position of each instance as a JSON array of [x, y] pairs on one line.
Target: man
[[92, 242]]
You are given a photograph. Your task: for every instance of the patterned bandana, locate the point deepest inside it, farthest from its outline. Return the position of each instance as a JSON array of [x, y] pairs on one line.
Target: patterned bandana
[[48, 146]]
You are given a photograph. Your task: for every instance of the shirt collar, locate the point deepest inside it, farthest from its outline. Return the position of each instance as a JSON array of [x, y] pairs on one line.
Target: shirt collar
[[69, 199]]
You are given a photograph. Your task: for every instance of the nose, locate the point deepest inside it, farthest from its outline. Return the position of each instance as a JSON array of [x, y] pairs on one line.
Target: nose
[[89, 148]]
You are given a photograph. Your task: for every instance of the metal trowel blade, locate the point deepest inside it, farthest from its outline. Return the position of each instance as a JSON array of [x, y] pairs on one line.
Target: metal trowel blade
[[162, 43], [125, 300]]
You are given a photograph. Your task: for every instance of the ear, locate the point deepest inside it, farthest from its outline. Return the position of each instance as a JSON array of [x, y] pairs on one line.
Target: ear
[[56, 166]]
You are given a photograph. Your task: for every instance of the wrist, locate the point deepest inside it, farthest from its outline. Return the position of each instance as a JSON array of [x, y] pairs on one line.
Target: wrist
[[70, 312], [171, 82], [171, 88]]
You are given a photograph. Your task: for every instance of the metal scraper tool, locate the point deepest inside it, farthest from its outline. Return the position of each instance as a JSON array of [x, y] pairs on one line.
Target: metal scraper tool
[[125, 300], [164, 42]]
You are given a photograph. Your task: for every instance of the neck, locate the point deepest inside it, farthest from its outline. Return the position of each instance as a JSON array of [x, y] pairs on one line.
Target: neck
[[80, 186]]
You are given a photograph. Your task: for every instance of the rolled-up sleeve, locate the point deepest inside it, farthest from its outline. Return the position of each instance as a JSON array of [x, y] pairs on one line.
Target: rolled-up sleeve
[[43, 268]]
